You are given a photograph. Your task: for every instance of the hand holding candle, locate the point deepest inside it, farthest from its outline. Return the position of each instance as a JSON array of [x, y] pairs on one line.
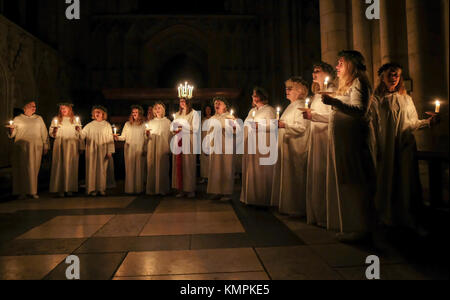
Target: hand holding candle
[[325, 84], [278, 113]]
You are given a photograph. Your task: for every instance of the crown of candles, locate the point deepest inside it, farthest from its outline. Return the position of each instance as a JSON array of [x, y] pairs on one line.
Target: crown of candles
[[185, 91]]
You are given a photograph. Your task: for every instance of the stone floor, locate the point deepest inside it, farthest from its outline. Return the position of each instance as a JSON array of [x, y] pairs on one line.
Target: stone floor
[[153, 238]]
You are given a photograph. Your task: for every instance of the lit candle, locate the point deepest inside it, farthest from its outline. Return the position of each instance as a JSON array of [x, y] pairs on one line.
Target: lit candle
[[77, 120], [278, 113], [438, 106], [254, 114], [114, 129], [56, 122], [147, 127], [232, 112], [325, 84], [11, 123], [174, 116], [307, 102]]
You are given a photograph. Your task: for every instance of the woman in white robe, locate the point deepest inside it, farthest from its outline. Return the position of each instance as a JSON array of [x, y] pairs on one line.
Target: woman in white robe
[[184, 167], [158, 152], [221, 164], [99, 144], [66, 151], [204, 158], [399, 194], [351, 169], [257, 178], [30, 143], [289, 178], [133, 134], [319, 115]]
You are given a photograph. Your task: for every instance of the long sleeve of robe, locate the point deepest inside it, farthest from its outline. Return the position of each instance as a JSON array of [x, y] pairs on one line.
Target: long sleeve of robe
[[351, 170], [399, 193], [189, 161], [65, 158], [99, 141], [158, 157], [221, 166], [316, 186], [134, 138], [204, 158], [289, 178], [256, 178], [30, 140]]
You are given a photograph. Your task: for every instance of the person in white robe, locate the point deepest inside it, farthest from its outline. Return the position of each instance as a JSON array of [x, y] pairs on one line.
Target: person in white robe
[[98, 137], [221, 164], [256, 177], [319, 114], [184, 167], [351, 170], [66, 151], [289, 178], [30, 143], [133, 134], [399, 195], [158, 152], [204, 158]]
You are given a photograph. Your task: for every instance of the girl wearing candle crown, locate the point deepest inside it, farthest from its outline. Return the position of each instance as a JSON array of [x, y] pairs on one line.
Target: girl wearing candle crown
[[351, 169], [221, 163], [99, 143], [257, 178], [289, 178], [184, 171], [66, 151], [133, 134], [399, 193], [158, 152], [30, 142], [319, 115]]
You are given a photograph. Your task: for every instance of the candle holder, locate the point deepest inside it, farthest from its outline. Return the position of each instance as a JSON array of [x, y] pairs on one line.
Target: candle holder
[[185, 91]]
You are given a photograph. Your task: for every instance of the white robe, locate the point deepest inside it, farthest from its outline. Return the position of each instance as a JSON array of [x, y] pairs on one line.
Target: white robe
[[66, 153], [158, 157], [256, 178], [351, 170], [189, 161], [30, 140], [134, 138], [99, 142], [221, 166], [289, 177], [204, 158], [316, 185], [399, 192]]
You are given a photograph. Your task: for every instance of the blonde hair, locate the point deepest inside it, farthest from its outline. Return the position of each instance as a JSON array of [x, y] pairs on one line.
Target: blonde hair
[[104, 113], [163, 110], [355, 69], [140, 120], [71, 114], [300, 85]]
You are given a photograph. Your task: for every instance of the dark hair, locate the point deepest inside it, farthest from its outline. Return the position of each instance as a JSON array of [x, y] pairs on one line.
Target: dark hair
[[382, 89], [222, 99], [188, 106], [327, 68], [204, 109], [262, 93]]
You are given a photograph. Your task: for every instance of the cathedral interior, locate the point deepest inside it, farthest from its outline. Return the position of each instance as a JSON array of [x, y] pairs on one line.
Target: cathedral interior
[[121, 53]]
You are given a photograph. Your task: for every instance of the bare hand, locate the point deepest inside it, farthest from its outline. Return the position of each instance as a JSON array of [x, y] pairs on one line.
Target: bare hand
[[55, 131], [307, 115], [116, 137], [147, 133], [78, 128], [108, 156], [281, 124], [11, 130], [435, 119], [45, 151]]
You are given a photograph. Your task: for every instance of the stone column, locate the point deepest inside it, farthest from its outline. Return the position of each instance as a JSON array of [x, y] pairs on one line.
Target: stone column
[[362, 35], [393, 41], [333, 28]]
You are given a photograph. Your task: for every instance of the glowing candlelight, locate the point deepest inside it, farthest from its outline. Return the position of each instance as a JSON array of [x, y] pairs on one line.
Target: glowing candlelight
[[77, 121], [114, 129], [232, 112], [438, 106], [56, 122], [307, 102], [254, 114], [174, 116], [278, 113], [11, 123], [325, 84]]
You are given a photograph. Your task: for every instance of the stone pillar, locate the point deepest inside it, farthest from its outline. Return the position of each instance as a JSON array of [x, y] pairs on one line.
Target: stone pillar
[[362, 35], [333, 28], [376, 50], [393, 41], [426, 52], [285, 35]]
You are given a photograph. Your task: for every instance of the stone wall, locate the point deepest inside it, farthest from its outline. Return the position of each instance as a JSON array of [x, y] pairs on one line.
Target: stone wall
[[29, 69]]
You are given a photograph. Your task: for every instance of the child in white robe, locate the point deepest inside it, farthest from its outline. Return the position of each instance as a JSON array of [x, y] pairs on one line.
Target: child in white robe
[[30, 143], [66, 151], [99, 143]]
